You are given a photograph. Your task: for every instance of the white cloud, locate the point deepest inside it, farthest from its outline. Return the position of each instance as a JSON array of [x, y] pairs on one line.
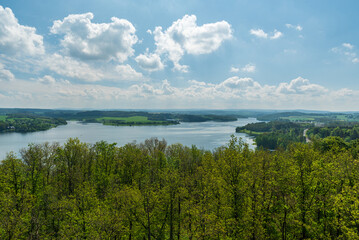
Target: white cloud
[[234, 69], [147, 90], [5, 74], [261, 34], [47, 79], [276, 34], [98, 41], [249, 68], [16, 39], [298, 27], [126, 72], [238, 83], [233, 92], [347, 50], [348, 45], [69, 67], [149, 62], [301, 86], [185, 36]]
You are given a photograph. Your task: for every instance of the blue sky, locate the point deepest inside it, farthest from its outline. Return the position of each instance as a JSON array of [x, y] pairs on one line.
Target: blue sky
[[179, 54]]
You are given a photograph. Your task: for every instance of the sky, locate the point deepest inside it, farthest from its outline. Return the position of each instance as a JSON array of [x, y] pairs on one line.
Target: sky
[[188, 54]]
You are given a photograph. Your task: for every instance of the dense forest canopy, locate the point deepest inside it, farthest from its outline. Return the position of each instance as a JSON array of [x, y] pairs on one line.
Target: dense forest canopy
[[155, 191], [275, 134], [281, 134]]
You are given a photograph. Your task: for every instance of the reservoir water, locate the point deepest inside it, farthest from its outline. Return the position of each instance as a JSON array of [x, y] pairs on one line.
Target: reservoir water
[[206, 135]]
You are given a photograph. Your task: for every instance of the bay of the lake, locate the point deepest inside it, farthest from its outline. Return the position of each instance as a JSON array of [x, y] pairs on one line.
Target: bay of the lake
[[206, 135]]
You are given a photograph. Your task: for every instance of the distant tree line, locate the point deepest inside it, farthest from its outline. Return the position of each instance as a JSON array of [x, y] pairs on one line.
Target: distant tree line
[[22, 122], [155, 191], [275, 134], [346, 132], [160, 116]]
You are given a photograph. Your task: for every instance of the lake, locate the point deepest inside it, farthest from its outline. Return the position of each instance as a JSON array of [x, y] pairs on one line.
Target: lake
[[207, 135]]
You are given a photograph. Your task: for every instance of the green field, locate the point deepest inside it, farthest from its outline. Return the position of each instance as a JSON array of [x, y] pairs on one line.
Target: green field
[[135, 119], [130, 121], [347, 118], [18, 118], [299, 118], [322, 118], [2, 117], [251, 133]]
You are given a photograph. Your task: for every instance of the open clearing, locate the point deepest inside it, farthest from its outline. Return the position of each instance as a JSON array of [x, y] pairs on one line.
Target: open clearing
[[134, 119]]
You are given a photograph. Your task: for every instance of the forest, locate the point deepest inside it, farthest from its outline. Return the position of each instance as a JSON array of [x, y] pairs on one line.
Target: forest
[[157, 191], [348, 132], [27, 122], [282, 133], [275, 134]]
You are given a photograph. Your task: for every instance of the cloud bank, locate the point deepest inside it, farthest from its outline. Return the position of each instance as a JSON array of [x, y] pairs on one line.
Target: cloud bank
[[86, 40], [184, 36], [17, 39]]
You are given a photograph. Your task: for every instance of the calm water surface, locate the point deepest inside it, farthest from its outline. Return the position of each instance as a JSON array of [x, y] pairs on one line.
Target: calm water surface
[[207, 135]]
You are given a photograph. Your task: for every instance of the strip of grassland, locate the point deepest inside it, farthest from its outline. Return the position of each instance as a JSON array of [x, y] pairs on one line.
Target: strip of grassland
[[132, 121], [126, 119]]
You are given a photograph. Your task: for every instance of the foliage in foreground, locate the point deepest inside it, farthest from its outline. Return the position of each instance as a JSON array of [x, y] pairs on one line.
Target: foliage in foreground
[[155, 191]]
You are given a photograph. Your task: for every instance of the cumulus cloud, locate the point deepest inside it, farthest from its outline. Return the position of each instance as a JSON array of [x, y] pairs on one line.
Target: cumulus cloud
[[234, 69], [259, 33], [17, 39], [348, 51], [69, 67], [86, 40], [234, 92], [239, 83], [248, 68], [147, 90], [5, 74], [149, 62], [262, 34], [82, 71], [348, 45], [61, 93], [276, 34], [297, 27], [185, 36], [126, 72], [301, 86], [47, 79]]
